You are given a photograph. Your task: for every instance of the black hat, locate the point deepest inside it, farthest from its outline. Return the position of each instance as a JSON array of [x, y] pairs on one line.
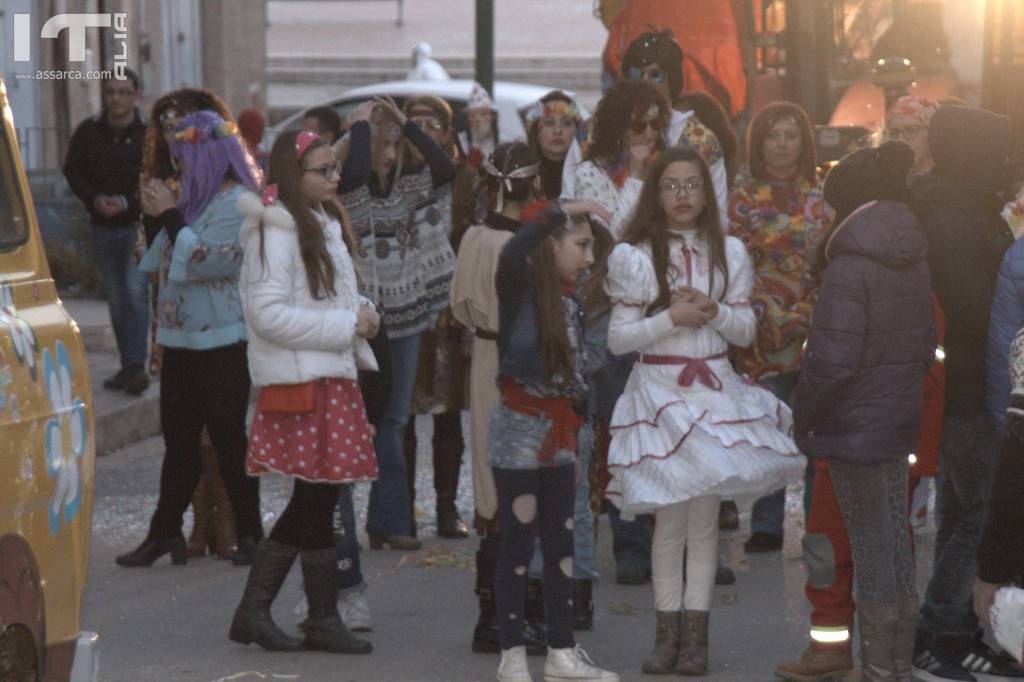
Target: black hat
[[867, 175], [658, 48]]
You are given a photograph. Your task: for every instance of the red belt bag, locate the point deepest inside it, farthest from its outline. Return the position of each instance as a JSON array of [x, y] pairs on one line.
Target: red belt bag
[[288, 398], [694, 369]]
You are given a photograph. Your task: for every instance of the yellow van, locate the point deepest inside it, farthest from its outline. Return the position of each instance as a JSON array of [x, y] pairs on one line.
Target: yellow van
[[47, 455]]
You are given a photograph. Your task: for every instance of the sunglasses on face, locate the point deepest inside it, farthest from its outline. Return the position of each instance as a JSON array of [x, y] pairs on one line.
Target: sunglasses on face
[[427, 123], [654, 75], [326, 171], [640, 127]]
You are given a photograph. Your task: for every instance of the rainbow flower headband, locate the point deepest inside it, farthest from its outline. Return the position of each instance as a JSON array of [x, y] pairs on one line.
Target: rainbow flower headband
[[555, 108], [194, 134]]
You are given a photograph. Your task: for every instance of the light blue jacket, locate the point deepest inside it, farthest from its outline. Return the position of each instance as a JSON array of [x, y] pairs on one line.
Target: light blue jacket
[[1006, 319], [199, 306]]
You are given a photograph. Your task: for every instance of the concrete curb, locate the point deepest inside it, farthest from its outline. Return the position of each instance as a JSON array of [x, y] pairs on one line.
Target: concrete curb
[[119, 419]]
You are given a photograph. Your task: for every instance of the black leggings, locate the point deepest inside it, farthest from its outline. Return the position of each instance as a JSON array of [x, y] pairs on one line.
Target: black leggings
[[206, 388], [308, 520], [531, 500]]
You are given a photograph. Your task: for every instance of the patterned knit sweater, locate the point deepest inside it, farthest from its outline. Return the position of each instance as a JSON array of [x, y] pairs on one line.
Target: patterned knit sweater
[[405, 257]]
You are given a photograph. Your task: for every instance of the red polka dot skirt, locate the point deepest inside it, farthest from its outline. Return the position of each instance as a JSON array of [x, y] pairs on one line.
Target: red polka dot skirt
[[332, 444]]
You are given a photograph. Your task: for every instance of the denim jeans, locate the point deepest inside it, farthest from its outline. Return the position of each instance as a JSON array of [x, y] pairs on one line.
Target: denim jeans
[[631, 540], [583, 518], [389, 511], [346, 545], [769, 512], [967, 461], [127, 291]]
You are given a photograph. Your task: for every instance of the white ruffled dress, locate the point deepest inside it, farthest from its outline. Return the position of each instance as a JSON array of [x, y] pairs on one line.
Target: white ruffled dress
[[717, 434]]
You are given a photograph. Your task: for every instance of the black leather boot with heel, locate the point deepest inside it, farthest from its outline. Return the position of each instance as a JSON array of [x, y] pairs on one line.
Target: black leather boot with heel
[[152, 548], [252, 622]]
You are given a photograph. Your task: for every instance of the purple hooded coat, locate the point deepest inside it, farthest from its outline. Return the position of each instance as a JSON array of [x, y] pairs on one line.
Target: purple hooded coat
[[872, 340]]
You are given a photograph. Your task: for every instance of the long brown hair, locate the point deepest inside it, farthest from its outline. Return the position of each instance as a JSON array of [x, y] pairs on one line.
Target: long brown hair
[[616, 112], [156, 157], [650, 224], [595, 300], [286, 172], [762, 125], [549, 311]]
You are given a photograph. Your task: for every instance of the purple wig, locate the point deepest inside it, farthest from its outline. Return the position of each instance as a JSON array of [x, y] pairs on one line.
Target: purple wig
[[211, 151]]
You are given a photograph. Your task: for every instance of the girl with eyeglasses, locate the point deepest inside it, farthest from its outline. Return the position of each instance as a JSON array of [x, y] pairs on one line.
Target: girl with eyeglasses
[[399, 217], [687, 429], [309, 329]]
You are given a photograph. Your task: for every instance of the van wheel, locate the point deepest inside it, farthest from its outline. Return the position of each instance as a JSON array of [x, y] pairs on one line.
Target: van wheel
[[22, 619], [18, 659]]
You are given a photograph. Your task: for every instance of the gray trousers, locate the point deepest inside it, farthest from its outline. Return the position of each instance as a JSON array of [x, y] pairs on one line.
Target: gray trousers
[[873, 500]]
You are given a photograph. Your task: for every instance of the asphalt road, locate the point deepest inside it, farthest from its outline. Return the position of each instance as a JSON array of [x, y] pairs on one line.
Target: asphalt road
[[170, 623]]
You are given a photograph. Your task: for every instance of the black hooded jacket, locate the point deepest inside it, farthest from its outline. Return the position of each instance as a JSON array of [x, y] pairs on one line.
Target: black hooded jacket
[[958, 207]]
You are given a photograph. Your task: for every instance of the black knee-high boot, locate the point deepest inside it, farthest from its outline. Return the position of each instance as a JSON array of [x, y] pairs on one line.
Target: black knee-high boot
[[252, 621], [323, 628], [448, 446]]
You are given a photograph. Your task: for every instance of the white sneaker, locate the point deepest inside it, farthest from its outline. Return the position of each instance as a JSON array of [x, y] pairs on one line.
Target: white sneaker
[[353, 608], [513, 666], [355, 611], [574, 664]]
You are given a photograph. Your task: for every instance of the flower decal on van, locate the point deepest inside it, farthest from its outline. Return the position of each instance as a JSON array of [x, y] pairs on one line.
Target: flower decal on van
[[23, 338], [66, 436]]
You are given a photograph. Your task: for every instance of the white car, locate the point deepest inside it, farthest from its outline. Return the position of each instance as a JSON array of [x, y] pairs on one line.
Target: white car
[[512, 99]]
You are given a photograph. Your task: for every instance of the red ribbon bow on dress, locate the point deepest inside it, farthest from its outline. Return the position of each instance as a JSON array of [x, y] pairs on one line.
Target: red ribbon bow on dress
[[694, 369]]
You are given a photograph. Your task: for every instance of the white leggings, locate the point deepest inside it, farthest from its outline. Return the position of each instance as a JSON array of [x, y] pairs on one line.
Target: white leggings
[[692, 525]]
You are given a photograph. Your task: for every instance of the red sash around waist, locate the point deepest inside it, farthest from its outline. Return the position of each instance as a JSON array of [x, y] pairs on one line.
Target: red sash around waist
[[693, 368], [564, 420]]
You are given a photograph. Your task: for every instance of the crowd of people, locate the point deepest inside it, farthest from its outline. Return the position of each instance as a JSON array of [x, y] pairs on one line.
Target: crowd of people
[[639, 324]]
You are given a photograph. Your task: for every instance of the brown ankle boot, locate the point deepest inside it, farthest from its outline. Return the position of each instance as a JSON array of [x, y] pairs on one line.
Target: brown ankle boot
[[222, 538], [693, 644], [818, 662], [662, 659]]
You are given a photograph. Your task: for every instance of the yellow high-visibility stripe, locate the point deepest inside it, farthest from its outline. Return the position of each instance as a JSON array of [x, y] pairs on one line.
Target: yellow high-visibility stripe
[[830, 635]]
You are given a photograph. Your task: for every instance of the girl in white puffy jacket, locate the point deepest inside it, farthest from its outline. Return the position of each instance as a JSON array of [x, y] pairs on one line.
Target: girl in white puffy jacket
[[308, 329]]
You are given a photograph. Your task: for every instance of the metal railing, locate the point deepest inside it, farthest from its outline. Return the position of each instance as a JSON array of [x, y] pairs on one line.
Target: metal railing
[[43, 148]]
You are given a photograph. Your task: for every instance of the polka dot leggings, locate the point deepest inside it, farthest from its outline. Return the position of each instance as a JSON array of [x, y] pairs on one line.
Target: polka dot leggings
[[532, 501]]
